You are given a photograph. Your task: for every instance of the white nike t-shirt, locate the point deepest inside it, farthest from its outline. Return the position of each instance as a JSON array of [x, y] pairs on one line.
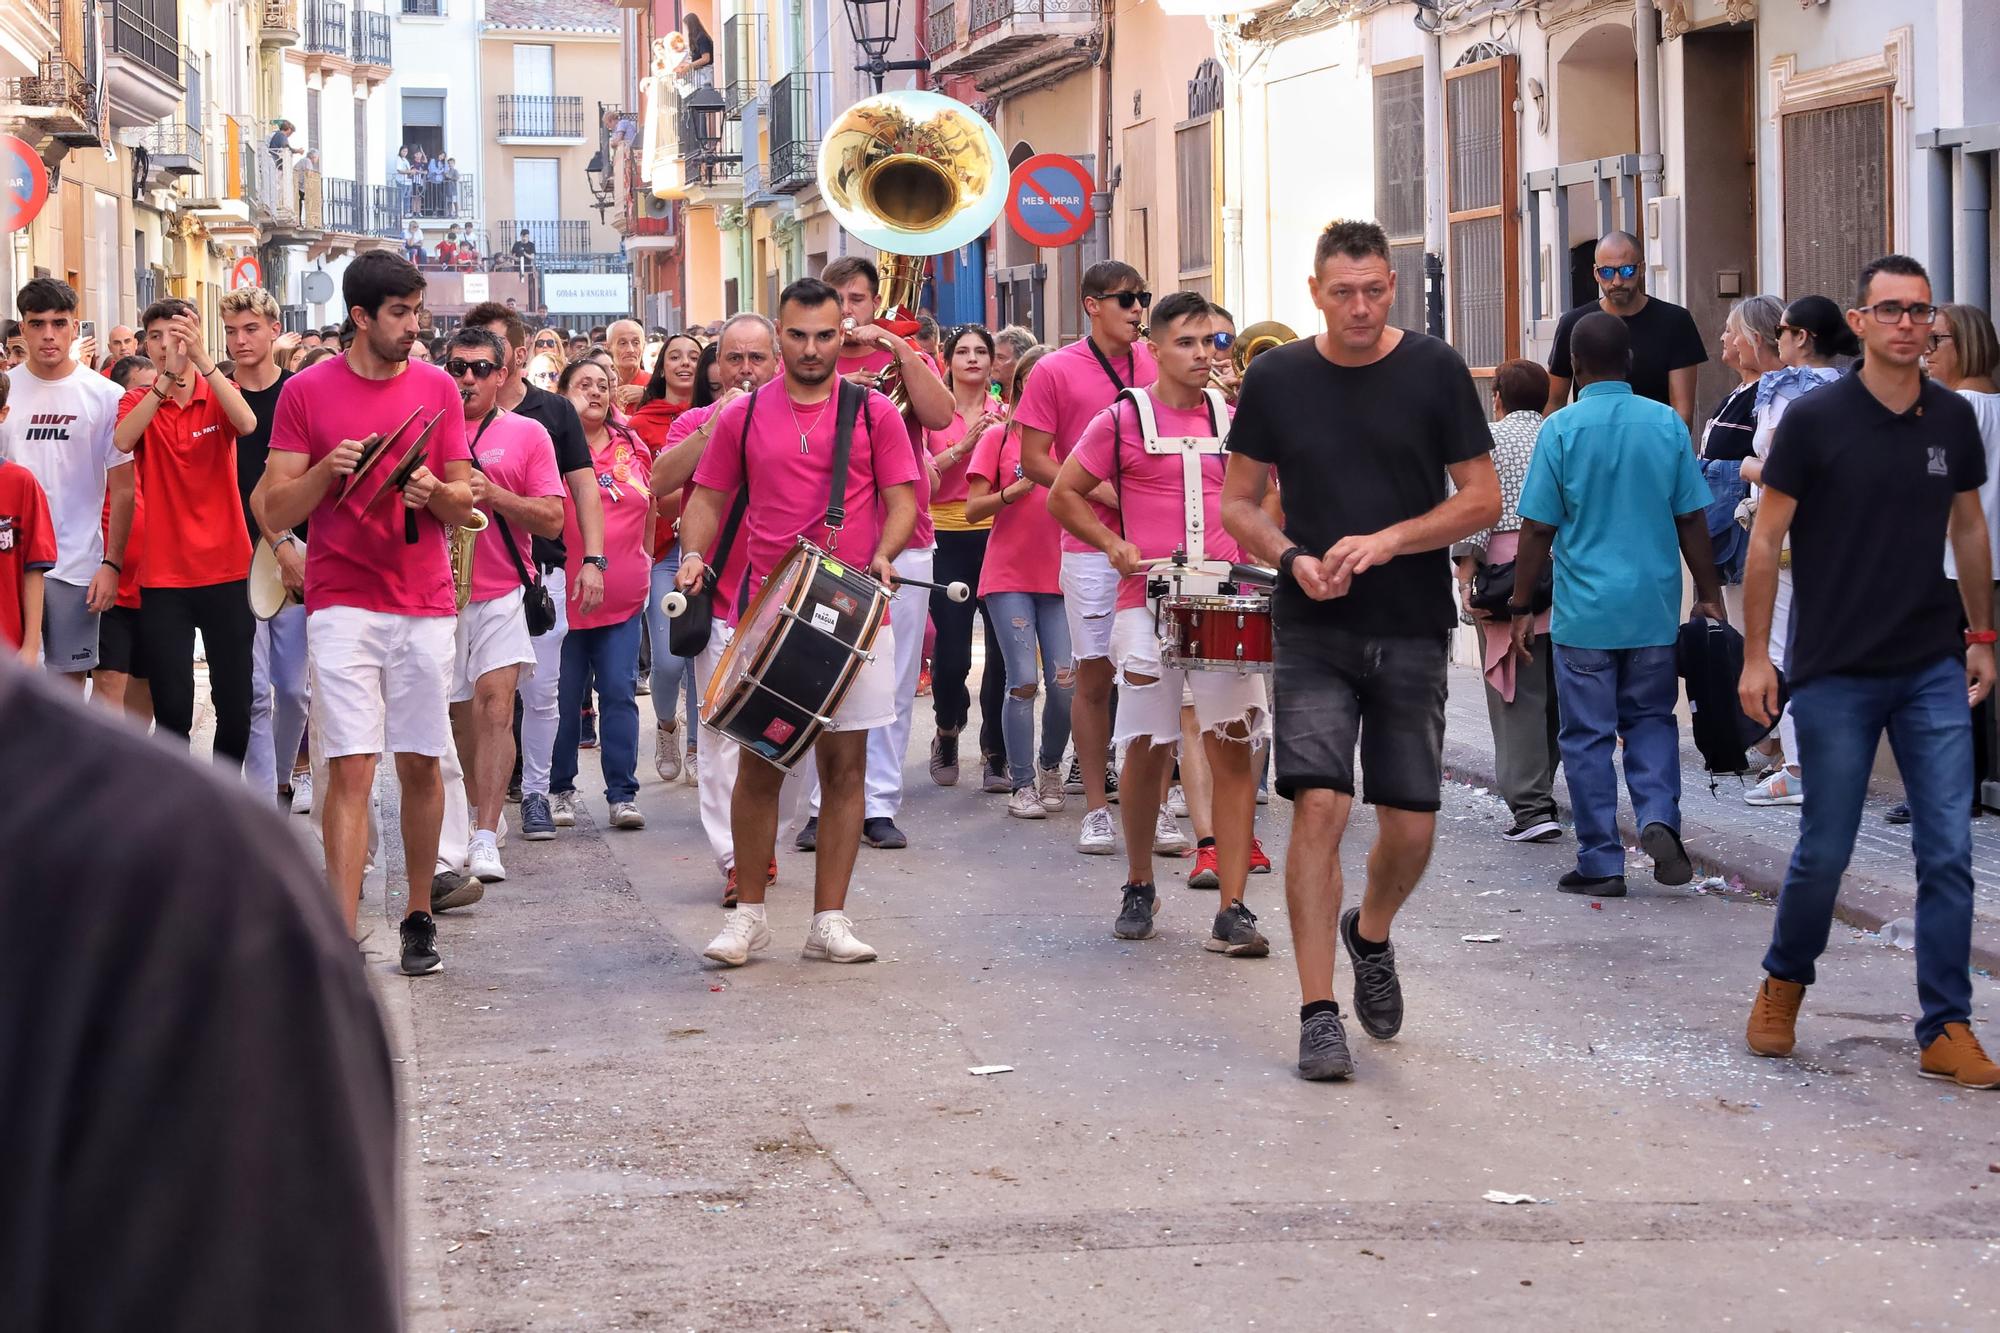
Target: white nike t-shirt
[[60, 430]]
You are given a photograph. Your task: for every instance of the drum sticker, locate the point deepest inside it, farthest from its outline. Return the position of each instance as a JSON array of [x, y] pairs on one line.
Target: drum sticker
[[779, 732], [825, 619], [844, 602]]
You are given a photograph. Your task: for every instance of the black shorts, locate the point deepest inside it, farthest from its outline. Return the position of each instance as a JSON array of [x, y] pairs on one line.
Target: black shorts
[[118, 644], [1332, 686]]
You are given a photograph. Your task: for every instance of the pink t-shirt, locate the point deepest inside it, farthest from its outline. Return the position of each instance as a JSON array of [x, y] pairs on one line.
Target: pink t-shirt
[[924, 536], [1151, 499], [362, 561], [951, 480], [789, 489], [621, 467], [1022, 555], [730, 577], [517, 455], [1067, 388]]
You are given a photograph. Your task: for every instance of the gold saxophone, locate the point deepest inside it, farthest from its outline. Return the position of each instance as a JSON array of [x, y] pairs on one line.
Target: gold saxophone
[[462, 539]]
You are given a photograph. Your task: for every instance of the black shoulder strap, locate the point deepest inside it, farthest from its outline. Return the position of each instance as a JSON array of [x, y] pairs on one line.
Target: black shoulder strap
[[499, 519], [735, 519], [1131, 363], [847, 409]]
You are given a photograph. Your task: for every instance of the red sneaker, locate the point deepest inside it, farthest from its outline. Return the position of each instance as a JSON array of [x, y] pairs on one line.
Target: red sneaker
[[729, 889], [1260, 864], [1204, 875]]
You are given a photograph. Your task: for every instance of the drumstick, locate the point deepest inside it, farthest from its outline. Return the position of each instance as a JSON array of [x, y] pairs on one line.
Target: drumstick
[[674, 604], [958, 592]]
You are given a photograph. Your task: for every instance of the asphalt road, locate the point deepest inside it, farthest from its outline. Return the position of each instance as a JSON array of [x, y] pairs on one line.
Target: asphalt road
[[605, 1132]]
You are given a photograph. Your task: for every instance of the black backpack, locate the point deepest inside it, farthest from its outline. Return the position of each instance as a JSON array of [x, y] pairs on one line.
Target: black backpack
[[1709, 657]]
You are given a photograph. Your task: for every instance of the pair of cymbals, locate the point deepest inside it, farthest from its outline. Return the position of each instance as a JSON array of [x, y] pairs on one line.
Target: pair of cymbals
[[377, 447]]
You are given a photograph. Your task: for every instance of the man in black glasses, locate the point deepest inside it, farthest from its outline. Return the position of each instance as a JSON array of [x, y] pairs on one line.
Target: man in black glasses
[[1666, 344]]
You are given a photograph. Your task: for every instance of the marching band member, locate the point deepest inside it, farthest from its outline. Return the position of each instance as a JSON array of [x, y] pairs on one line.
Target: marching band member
[[1151, 490], [380, 610], [786, 461]]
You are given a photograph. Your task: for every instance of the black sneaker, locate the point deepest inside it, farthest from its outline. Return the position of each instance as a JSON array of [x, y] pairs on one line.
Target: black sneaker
[[808, 839], [1899, 813], [1136, 914], [944, 759], [1235, 934], [420, 953], [1378, 995], [1111, 778], [1534, 830], [1073, 779], [996, 780], [1323, 1050], [514, 792], [1595, 886], [882, 832], [1670, 858], [455, 888]]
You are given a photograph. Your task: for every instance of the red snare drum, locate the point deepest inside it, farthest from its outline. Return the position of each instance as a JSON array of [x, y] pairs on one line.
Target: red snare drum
[[1216, 632]]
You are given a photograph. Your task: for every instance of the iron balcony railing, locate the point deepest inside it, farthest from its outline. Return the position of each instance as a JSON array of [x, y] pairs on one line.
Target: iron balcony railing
[[371, 38], [326, 27], [385, 211], [941, 26], [60, 85], [986, 14], [281, 15], [588, 261], [423, 9], [526, 116], [795, 103], [742, 62], [552, 238], [448, 197], [343, 205], [149, 32], [175, 146]]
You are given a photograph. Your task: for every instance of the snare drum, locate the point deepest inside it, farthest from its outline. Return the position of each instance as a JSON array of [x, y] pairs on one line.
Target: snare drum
[[1216, 632], [796, 652]]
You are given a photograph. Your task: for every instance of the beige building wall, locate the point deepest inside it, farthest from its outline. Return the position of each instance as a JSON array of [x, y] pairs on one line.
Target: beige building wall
[[588, 66]]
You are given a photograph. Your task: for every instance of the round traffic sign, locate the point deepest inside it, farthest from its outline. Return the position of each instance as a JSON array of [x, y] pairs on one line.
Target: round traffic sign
[[24, 184], [1048, 200], [316, 287], [246, 273]]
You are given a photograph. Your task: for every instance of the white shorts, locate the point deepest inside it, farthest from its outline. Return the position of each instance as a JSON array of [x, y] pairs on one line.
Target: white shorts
[[1221, 699], [871, 699], [491, 634], [381, 683], [1090, 597]]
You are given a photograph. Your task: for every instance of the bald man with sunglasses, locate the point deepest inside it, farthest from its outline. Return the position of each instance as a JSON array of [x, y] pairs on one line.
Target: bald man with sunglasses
[[1667, 347]]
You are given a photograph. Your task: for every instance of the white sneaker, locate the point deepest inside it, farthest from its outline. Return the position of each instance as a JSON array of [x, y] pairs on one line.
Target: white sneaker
[[302, 793], [743, 931], [687, 769], [482, 860], [563, 806], [1168, 840], [667, 753], [1177, 802], [1099, 836], [1049, 787], [832, 938], [1783, 787], [626, 815], [1024, 804]]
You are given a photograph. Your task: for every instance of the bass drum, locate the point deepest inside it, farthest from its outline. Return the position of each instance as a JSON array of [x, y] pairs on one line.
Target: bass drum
[[268, 594], [796, 653]]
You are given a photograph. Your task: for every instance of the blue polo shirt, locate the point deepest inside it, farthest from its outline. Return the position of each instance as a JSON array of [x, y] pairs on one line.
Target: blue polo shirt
[[1610, 474]]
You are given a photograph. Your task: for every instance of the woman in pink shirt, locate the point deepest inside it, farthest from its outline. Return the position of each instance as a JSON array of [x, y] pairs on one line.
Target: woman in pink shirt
[[1021, 586], [961, 552], [604, 644]]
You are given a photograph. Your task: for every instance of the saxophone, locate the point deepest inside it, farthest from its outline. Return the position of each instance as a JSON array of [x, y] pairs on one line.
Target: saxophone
[[461, 540]]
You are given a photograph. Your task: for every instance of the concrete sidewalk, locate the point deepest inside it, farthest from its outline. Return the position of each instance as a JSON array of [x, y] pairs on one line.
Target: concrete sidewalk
[[1750, 846]]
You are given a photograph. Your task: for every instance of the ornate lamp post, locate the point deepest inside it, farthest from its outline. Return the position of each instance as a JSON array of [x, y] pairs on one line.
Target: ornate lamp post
[[874, 23]]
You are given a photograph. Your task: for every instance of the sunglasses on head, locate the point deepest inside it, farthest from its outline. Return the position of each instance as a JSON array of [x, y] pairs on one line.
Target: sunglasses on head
[[458, 365], [1126, 300], [1609, 271]]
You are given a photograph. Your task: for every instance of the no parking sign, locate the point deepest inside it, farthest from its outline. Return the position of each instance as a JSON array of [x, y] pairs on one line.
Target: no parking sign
[[24, 184], [1048, 200]]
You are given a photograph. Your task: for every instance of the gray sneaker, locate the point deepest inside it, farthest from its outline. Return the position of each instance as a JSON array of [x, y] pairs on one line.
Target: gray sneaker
[[1378, 995], [1136, 913], [455, 888], [1236, 934], [1323, 1048]]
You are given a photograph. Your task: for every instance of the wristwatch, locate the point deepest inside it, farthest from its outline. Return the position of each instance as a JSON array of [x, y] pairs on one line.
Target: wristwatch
[[598, 562], [1985, 636]]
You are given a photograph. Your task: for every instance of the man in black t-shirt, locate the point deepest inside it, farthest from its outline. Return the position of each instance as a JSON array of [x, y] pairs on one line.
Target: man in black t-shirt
[[1363, 424], [539, 708], [1866, 476], [1666, 343]]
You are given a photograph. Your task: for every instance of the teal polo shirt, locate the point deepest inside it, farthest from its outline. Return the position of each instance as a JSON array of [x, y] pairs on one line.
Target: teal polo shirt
[[1611, 473]]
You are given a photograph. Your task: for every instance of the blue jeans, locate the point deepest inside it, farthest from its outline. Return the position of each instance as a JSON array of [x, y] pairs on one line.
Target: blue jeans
[[1840, 722], [1603, 694], [1728, 540], [610, 653], [669, 671], [1028, 622]]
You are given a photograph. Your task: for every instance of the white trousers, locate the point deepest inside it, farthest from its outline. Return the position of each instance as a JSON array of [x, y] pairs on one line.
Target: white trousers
[[539, 708], [277, 700], [889, 746], [715, 773]]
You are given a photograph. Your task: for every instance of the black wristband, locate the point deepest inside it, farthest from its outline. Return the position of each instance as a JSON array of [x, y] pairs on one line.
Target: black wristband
[[1286, 560], [116, 568]]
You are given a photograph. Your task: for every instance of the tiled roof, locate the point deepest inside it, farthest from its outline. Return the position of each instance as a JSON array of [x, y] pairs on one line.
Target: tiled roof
[[553, 15]]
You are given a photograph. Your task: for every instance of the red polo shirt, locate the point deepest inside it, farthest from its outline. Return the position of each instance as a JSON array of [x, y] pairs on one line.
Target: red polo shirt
[[194, 512], [27, 543]]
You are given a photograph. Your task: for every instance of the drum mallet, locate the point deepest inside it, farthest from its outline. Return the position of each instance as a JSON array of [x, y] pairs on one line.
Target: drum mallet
[[958, 592]]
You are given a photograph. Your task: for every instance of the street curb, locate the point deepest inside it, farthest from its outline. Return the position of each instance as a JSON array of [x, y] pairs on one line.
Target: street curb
[[1866, 903]]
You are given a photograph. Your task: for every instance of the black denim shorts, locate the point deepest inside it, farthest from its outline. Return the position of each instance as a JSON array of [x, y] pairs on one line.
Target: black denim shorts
[[1332, 687], [118, 643]]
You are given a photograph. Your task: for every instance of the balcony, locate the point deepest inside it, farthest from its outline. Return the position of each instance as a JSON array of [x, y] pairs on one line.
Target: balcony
[[174, 149], [742, 75], [423, 9], [385, 212], [444, 199], [326, 33], [229, 201], [795, 103], [1008, 35], [343, 212], [142, 63], [58, 100], [280, 26], [538, 119], [370, 33], [556, 242], [940, 28]]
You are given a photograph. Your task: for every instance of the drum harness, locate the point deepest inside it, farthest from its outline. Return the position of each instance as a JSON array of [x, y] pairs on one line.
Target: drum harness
[[1191, 562]]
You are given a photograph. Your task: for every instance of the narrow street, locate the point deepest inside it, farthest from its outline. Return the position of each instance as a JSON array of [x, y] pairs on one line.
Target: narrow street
[[606, 1132]]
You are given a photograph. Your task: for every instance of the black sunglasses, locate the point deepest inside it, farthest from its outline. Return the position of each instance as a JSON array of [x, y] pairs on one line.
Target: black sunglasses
[[1126, 300], [458, 365]]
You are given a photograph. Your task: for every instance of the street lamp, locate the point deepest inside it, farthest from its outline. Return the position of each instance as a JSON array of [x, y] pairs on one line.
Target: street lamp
[[602, 187], [874, 23]]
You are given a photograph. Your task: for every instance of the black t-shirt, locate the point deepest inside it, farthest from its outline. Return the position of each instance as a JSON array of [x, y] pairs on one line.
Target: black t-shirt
[[1359, 448], [200, 1106], [701, 46], [1874, 491], [253, 448], [559, 419], [1664, 338], [1731, 431]]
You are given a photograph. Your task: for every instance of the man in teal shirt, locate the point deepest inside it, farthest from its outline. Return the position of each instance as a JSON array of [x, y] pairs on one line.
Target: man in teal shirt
[[1616, 490]]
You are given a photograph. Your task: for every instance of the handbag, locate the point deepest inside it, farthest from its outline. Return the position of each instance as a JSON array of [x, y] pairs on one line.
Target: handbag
[[1493, 589], [536, 605]]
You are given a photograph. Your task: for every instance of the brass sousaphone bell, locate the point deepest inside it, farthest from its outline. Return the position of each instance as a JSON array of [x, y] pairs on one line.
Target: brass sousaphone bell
[[1258, 339]]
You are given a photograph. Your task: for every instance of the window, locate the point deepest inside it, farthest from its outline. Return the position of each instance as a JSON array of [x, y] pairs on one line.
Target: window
[[1399, 186], [312, 122], [361, 143], [423, 123], [1483, 276], [537, 196], [534, 70], [1836, 165], [1194, 178]]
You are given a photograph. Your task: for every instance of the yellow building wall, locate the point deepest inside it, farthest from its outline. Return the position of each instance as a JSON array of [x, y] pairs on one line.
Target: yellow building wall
[[1157, 55], [586, 67], [704, 267]]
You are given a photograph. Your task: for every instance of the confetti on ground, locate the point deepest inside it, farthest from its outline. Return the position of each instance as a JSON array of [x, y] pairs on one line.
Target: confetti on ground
[[991, 1069], [1501, 1196], [1480, 939]]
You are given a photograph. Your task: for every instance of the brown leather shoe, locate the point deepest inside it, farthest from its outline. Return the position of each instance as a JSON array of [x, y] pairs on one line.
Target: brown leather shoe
[[1955, 1054], [1774, 1017]]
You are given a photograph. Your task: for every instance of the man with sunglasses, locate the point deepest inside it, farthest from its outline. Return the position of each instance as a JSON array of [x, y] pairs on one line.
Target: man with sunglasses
[[1066, 391], [515, 481], [1667, 346], [1868, 476]]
